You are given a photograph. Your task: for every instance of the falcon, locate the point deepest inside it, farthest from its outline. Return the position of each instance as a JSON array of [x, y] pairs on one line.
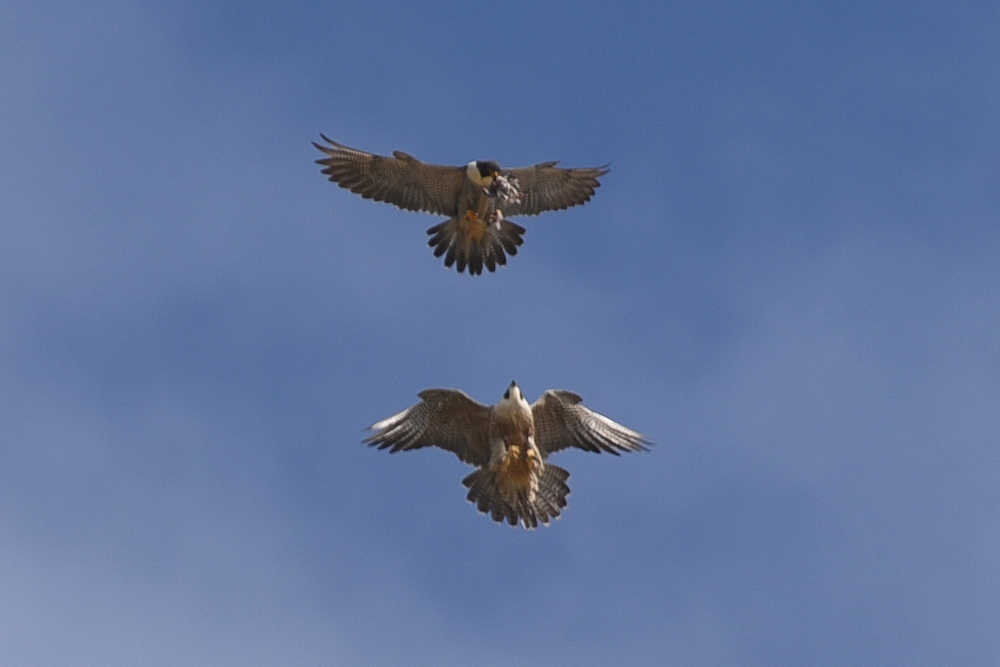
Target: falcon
[[477, 198], [509, 443]]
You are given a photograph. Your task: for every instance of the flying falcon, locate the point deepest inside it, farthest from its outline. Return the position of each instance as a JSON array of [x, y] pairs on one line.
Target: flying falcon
[[477, 198], [509, 443]]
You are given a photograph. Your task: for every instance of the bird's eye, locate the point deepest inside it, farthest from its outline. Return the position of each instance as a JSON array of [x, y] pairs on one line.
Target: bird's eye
[[506, 394]]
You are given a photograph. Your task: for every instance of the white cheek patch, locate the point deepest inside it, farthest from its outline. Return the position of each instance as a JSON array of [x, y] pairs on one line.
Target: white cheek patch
[[472, 171]]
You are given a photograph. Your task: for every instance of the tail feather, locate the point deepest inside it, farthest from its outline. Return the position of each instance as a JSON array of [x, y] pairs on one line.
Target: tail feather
[[552, 491], [547, 503], [461, 248]]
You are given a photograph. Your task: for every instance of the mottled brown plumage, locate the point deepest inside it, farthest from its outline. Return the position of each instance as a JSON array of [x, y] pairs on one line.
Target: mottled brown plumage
[[509, 443], [477, 232]]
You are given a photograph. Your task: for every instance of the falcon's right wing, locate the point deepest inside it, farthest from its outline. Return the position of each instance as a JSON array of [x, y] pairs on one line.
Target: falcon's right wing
[[445, 418], [402, 180]]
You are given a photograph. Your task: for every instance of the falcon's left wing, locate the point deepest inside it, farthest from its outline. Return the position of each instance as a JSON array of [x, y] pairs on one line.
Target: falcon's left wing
[[561, 421], [546, 187]]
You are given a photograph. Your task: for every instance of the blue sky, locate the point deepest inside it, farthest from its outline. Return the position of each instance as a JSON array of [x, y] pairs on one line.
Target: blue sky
[[788, 281]]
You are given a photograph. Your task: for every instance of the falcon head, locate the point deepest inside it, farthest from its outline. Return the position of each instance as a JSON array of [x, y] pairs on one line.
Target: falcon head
[[482, 172], [513, 398]]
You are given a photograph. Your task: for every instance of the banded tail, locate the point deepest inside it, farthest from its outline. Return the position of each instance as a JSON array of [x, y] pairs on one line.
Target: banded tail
[[548, 501], [469, 241]]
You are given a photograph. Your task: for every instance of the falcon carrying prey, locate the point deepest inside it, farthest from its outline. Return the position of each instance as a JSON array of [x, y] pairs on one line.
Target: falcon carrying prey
[[477, 198], [509, 442]]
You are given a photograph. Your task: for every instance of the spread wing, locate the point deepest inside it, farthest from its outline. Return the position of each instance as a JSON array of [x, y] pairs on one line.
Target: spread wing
[[445, 418], [561, 421], [546, 187], [402, 180]]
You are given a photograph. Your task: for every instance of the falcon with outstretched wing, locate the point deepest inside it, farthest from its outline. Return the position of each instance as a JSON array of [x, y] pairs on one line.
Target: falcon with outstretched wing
[[477, 198], [509, 443]]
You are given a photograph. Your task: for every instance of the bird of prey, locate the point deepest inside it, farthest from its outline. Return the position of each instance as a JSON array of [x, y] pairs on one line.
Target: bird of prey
[[477, 198], [509, 443]]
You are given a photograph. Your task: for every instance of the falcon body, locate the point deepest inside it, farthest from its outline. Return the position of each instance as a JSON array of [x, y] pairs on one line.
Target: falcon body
[[509, 443], [477, 198]]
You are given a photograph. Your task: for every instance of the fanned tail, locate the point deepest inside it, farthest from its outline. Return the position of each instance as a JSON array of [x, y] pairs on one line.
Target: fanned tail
[[472, 243], [547, 503]]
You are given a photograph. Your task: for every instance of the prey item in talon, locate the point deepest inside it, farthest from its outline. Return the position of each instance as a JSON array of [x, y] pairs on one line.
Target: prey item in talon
[[506, 189]]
